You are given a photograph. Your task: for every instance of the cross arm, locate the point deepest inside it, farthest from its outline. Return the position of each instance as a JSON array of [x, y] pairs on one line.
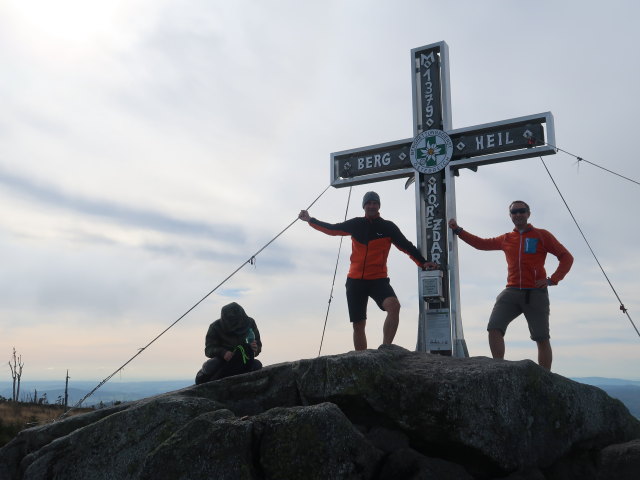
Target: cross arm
[[513, 139]]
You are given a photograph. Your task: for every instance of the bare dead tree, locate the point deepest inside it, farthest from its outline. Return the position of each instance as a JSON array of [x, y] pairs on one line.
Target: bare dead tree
[[66, 393], [16, 364]]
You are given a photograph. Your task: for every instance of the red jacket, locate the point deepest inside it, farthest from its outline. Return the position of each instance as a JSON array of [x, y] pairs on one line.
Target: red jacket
[[525, 253], [371, 241]]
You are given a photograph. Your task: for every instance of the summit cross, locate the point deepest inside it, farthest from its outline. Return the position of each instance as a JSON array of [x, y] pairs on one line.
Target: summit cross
[[432, 158]]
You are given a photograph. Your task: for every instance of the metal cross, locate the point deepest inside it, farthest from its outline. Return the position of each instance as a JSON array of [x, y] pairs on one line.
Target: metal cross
[[433, 157]]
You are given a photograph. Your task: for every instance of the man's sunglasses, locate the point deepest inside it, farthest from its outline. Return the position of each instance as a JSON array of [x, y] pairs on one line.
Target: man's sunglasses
[[518, 210]]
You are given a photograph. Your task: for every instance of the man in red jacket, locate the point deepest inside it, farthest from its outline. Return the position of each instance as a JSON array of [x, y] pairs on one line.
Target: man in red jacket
[[525, 249], [371, 239]]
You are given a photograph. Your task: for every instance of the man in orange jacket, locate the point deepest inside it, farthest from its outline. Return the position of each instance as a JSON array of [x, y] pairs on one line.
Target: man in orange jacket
[[525, 249], [371, 239]]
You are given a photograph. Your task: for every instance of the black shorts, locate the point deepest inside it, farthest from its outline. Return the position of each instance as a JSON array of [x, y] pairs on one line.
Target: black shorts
[[359, 291]]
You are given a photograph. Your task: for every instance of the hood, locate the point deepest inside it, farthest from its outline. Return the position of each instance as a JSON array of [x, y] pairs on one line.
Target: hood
[[234, 319]]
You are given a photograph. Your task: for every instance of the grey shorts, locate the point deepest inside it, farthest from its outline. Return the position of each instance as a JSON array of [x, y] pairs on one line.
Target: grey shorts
[[511, 302]]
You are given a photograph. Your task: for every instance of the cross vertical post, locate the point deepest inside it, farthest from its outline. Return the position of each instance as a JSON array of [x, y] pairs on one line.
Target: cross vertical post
[[432, 158], [439, 330]]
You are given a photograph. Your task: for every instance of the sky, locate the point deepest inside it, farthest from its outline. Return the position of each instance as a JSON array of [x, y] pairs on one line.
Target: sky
[[149, 148]]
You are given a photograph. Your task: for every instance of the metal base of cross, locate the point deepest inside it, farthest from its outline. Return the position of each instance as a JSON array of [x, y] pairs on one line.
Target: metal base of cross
[[460, 348]]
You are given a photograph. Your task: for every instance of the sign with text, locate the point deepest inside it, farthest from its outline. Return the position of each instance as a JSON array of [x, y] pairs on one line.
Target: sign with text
[[521, 137]]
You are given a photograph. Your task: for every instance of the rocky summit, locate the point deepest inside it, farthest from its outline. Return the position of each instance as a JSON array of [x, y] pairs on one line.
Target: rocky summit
[[379, 414]]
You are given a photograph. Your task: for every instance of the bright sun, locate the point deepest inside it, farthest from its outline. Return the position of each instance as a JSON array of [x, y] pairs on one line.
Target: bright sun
[[68, 21]]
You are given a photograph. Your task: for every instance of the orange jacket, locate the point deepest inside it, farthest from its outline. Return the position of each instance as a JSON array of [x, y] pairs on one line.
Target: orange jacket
[[526, 253], [371, 241]]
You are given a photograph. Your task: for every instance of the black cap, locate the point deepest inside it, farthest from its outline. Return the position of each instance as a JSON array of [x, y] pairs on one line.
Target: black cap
[[370, 197]]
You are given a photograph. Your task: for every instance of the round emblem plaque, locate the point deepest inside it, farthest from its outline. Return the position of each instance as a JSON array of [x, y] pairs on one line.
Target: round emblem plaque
[[431, 151]]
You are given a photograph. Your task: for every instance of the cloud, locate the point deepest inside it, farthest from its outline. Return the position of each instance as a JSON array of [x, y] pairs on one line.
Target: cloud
[[148, 150], [51, 197]]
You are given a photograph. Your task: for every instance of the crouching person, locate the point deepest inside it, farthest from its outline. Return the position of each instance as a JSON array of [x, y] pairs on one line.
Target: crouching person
[[232, 343]]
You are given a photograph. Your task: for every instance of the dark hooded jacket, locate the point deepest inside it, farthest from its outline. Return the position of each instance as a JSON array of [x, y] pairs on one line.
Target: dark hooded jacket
[[230, 330]]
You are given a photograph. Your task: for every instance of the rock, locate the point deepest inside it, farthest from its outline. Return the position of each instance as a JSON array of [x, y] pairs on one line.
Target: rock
[[117, 445], [328, 446], [619, 462], [407, 464], [315, 442], [579, 464], [386, 413], [388, 440]]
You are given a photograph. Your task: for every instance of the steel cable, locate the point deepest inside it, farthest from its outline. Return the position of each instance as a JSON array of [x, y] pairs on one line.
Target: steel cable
[[622, 307], [250, 260], [334, 276]]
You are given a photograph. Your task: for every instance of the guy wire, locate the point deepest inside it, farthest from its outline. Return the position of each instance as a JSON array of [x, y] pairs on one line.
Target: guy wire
[[140, 350], [622, 307], [580, 159], [334, 275]]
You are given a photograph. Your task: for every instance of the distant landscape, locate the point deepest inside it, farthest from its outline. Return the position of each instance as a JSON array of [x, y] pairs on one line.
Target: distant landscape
[[627, 391], [108, 394], [15, 417]]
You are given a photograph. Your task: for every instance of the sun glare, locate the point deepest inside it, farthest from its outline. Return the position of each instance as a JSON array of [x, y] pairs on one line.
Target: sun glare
[[68, 21]]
